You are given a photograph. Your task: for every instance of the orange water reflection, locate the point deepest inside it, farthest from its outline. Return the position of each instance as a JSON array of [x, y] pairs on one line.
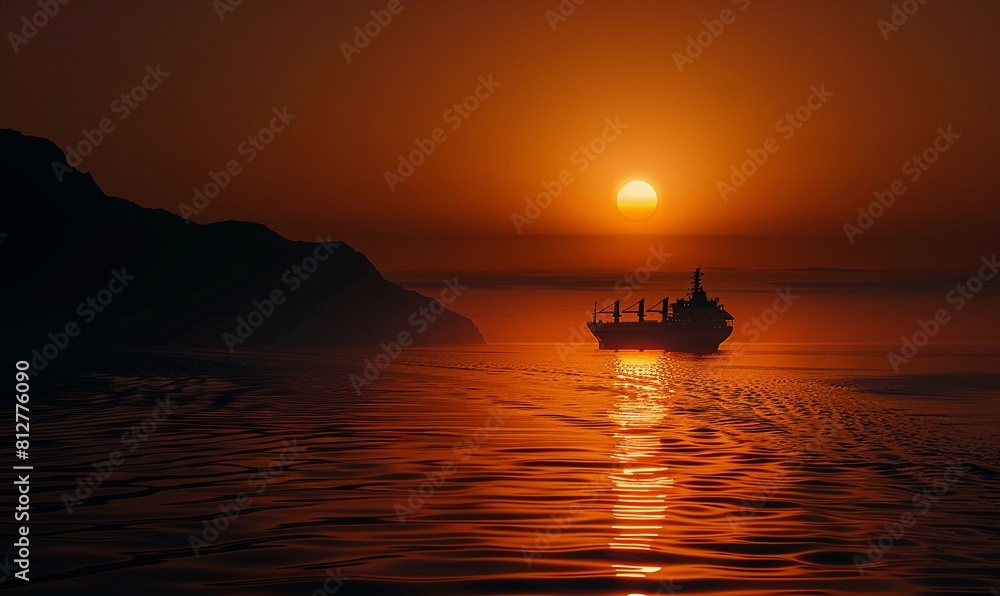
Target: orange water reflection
[[640, 482]]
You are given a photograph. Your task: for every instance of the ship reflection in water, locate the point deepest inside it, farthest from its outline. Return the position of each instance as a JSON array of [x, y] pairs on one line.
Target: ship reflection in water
[[641, 482]]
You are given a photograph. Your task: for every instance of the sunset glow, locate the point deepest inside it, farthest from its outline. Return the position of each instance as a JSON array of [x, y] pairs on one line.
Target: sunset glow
[[468, 298]]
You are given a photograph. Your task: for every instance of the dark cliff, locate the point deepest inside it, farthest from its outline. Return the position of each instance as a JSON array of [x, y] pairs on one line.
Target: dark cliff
[[187, 284]]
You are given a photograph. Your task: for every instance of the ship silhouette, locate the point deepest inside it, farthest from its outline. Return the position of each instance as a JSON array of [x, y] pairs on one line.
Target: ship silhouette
[[695, 324]]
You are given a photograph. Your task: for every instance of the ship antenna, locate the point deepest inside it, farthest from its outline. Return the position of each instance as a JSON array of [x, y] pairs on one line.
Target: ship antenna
[[696, 281]]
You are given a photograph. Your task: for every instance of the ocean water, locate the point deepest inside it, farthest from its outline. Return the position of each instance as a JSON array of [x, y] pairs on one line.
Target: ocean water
[[518, 469]]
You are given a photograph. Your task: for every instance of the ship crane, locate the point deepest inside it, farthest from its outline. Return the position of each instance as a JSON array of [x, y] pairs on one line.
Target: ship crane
[[664, 310], [616, 312], [640, 309], [636, 308]]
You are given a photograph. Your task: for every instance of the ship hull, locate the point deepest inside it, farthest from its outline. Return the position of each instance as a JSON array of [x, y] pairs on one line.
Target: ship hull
[[698, 338]]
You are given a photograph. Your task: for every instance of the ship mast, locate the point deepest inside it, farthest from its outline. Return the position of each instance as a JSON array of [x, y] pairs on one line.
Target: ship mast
[[696, 282]]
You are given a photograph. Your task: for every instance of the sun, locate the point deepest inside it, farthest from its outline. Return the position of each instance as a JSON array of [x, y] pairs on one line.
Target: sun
[[637, 200]]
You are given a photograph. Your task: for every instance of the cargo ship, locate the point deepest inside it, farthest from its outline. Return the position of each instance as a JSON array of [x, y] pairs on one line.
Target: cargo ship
[[695, 324]]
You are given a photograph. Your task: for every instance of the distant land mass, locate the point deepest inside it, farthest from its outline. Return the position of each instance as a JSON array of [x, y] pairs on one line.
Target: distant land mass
[[84, 268]]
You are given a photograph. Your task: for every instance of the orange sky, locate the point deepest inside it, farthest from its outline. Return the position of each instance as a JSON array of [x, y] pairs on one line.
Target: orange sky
[[325, 172]]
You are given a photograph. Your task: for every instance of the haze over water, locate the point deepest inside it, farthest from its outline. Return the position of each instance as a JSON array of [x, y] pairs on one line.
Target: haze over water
[[506, 469]]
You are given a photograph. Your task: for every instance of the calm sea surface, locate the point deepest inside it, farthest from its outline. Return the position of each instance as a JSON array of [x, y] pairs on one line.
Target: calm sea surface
[[514, 469]]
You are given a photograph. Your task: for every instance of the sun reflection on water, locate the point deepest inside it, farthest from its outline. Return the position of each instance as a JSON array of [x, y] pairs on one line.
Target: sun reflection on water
[[640, 482]]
